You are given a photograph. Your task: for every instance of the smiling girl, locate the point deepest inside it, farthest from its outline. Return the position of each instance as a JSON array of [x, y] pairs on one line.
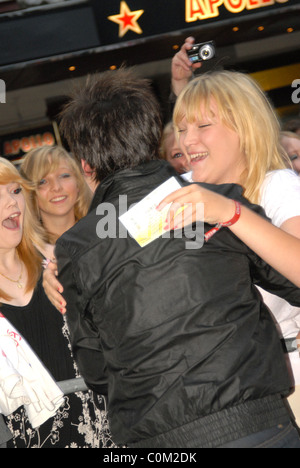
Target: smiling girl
[[291, 142], [18, 254], [77, 423], [231, 134], [62, 196], [171, 152]]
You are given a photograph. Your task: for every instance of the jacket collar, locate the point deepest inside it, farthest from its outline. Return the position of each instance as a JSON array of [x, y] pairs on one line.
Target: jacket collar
[[125, 180]]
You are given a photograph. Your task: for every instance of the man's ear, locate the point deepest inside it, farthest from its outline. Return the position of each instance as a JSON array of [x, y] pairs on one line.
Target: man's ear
[[87, 170], [89, 175]]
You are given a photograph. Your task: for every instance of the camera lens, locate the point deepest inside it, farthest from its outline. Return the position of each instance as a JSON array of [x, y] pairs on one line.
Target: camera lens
[[206, 52]]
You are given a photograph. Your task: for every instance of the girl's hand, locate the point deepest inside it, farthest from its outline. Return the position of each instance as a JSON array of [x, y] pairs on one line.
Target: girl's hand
[[199, 205], [182, 68], [53, 288]]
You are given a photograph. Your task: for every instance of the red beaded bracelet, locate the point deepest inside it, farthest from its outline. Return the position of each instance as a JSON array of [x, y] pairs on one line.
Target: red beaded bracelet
[[236, 217]]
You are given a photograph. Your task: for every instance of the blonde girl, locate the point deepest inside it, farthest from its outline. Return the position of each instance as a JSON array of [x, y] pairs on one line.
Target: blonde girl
[[78, 422], [23, 231], [291, 143], [171, 152], [61, 195], [231, 134]]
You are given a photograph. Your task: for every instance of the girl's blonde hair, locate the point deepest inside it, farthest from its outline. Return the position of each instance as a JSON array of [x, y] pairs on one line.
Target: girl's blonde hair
[[288, 134], [244, 108], [167, 131], [42, 161], [33, 235]]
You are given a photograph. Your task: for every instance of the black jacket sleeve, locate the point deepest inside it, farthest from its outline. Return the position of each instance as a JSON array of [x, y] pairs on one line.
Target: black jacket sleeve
[[263, 275], [85, 340], [268, 278]]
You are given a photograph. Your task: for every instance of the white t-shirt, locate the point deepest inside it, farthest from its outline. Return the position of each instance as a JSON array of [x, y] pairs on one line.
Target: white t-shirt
[[280, 198]]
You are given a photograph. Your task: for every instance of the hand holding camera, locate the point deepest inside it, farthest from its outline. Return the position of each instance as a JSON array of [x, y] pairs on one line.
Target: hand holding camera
[[202, 52], [187, 60]]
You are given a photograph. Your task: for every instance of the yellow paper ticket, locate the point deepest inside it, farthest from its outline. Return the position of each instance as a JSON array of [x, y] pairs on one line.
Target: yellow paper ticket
[[143, 221]]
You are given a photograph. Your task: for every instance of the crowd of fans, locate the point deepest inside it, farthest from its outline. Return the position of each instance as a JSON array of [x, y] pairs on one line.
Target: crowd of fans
[[178, 347]]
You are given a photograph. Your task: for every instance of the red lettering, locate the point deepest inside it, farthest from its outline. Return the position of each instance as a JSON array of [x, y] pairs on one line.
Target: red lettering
[[7, 148], [39, 140], [48, 139], [213, 7], [235, 6], [28, 143], [25, 144], [194, 10], [198, 11], [15, 146], [32, 142]]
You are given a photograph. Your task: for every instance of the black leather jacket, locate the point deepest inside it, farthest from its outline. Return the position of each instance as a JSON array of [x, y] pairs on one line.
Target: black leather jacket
[[180, 336]]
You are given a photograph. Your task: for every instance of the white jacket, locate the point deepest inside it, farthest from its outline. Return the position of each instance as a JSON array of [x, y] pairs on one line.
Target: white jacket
[[24, 380]]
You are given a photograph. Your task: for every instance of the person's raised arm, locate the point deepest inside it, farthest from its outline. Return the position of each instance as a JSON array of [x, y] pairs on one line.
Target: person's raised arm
[[182, 68], [278, 248], [84, 336]]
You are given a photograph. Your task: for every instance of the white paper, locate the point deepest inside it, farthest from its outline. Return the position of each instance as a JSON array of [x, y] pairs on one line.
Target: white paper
[[143, 221]]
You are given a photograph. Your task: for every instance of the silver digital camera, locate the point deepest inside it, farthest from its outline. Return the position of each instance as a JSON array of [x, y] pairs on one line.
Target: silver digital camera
[[202, 52]]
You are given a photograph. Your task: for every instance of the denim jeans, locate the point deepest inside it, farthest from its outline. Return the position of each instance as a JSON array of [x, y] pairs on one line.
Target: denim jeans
[[281, 436]]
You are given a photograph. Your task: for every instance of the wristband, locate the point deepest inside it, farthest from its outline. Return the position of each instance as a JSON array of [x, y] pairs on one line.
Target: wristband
[[231, 222]]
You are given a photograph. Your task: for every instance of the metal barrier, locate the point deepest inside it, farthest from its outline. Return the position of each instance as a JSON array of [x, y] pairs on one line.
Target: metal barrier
[[72, 385]]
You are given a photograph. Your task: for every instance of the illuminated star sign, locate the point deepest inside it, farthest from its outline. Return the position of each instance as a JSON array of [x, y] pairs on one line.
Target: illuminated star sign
[[127, 20]]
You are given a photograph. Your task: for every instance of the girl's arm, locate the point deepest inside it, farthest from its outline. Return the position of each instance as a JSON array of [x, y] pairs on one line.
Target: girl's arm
[[278, 248], [53, 287], [182, 68]]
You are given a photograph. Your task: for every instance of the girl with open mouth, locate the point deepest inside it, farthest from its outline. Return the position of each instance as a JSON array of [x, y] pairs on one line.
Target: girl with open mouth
[[78, 422]]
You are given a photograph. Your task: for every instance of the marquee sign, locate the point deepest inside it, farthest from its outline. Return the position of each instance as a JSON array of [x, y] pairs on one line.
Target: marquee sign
[[128, 20], [15, 146], [198, 10]]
